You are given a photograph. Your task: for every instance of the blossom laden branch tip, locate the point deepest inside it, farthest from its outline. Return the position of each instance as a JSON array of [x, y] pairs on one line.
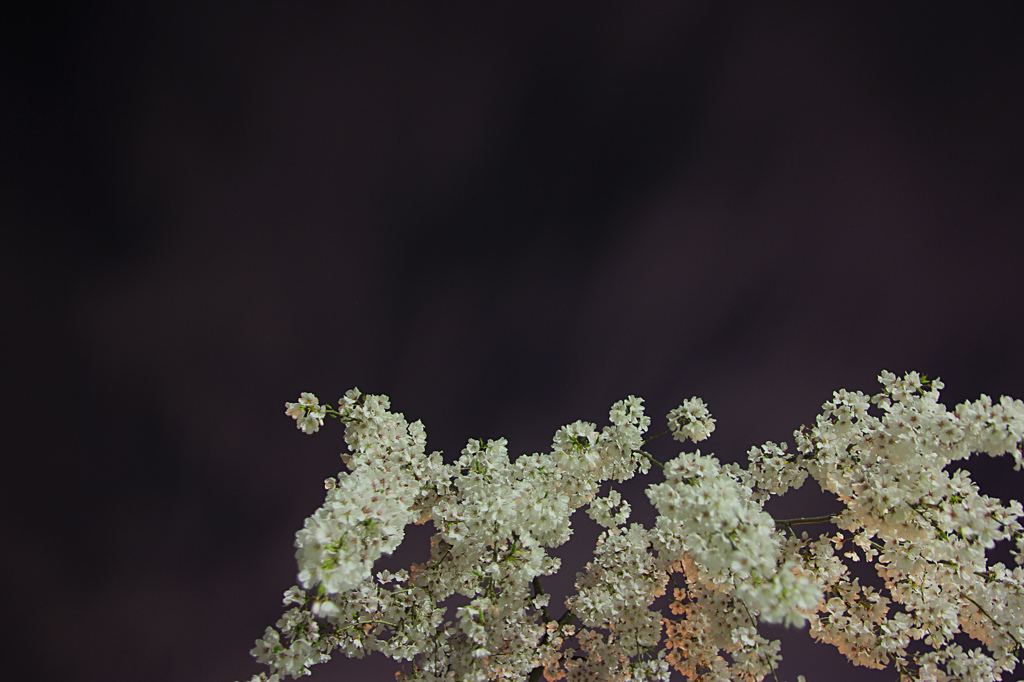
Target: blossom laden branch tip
[[691, 421], [923, 525], [308, 413]]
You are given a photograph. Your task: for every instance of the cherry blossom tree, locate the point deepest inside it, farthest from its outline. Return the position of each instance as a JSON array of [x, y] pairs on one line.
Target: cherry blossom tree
[[724, 563]]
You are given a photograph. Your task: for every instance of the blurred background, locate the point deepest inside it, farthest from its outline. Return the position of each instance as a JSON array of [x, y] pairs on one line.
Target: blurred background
[[504, 216]]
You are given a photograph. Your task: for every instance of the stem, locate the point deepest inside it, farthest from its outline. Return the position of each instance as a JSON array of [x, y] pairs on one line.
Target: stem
[[651, 458], [807, 519], [361, 623], [757, 647], [648, 455], [980, 608], [657, 435], [567, 617]]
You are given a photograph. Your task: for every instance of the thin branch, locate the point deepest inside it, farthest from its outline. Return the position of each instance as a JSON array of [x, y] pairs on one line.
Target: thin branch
[[994, 622], [567, 618], [657, 435], [753, 622], [651, 458], [807, 519]]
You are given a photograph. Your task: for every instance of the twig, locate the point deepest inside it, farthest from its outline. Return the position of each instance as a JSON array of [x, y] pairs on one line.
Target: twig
[[806, 519]]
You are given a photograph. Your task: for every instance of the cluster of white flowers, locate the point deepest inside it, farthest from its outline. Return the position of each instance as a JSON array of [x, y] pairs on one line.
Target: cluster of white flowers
[[691, 421], [926, 529], [730, 538], [308, 413]]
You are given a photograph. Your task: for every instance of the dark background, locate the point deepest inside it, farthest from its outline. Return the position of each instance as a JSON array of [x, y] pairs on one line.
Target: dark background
[[504, 217]]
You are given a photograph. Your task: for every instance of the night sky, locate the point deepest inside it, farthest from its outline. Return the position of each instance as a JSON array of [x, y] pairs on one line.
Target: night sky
[[506, 217]]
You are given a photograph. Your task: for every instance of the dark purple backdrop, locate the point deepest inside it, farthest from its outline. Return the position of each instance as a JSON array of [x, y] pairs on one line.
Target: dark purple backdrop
[[505, 219]]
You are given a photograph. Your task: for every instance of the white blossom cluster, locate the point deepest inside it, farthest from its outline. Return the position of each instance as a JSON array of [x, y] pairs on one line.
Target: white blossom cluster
[[924, 526], [731, 538], [691, 421], [308, 413], [927, 530]]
